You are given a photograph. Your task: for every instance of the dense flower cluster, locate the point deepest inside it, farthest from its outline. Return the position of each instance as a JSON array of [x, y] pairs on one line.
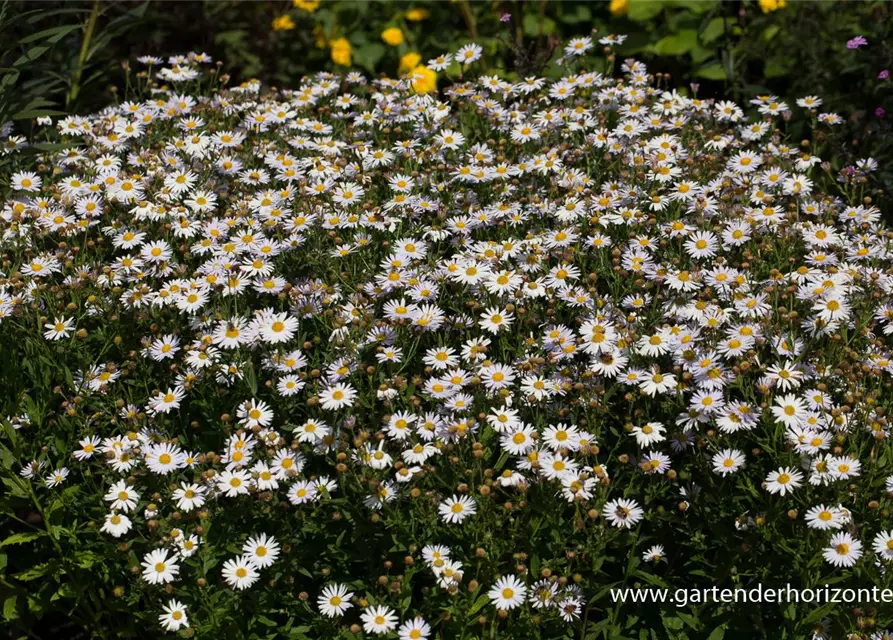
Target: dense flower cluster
[[585, 295]]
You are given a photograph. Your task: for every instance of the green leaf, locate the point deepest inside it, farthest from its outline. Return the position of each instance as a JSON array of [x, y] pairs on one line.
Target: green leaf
[[86, 559], [38, 102], [770, 32], [819, 613], [20, 538], [712, 71], [53, 35], [713, 30], [31, 55], [35, 113], [534, 26], [9, 608], [14, 488], [695, 6], [34, 572], [717, 634], [677, 44], [36, 149], [37, 15], [689, 619], [699, 54], [479, 604], [368, 55], [67, 590], [9, 78], [652, 579], [53, 146], [642, 10], [580, 14], [673, 624], [116, 28]]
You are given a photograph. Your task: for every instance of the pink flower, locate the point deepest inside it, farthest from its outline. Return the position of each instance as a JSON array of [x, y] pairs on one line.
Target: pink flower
[[855, 43], [883, 75]]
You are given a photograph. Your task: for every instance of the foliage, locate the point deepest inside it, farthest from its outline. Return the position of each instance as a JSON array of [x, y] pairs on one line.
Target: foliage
[[51, 56], [521, 294]]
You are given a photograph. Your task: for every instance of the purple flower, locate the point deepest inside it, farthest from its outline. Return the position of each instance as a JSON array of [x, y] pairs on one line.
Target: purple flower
[[855, 43], [505, 17], [883, 75], [879, 112]]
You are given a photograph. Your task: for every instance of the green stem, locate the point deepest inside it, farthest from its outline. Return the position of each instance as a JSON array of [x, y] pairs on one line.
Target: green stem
[[82, 55], [43, 516], [469, 19]]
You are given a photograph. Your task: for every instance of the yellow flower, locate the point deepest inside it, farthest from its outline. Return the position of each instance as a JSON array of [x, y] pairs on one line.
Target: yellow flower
[[392, 36], [424, 80], [409, 61], [417, 15], [283, 23], [306, 5], [768, 6], [619, 7], [341, 51]]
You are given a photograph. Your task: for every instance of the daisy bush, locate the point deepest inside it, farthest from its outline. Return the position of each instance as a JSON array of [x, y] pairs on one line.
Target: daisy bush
[[357, 358]]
